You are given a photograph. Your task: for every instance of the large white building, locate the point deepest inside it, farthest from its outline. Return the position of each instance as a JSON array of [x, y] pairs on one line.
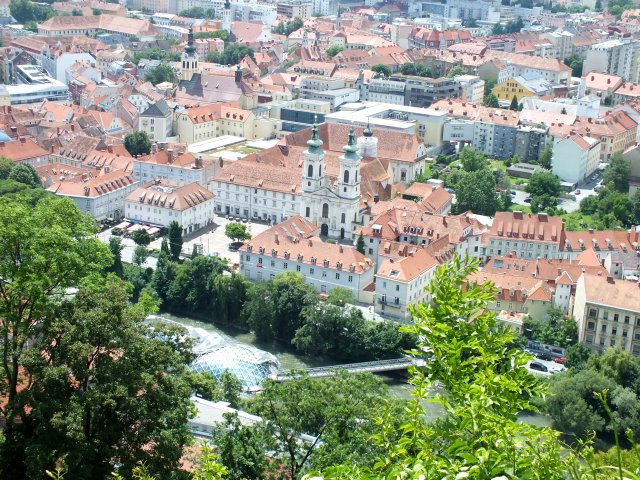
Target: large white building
[[161, 202], [575, 158], [173, 165], [618, 57], [291, 246]]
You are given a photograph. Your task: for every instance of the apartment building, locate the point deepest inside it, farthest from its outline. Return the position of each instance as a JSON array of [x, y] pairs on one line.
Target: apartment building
[[423, 91], [173, 164], [102, 196], [292, 246], [522, 86], [575, 158], [90, 25], [618, 57], [608, 313], [401, 282], [383, 90], [161, 202], [157, 121], [295, 8], [472, 88], [24, 150], [527, 235], [203, 123]]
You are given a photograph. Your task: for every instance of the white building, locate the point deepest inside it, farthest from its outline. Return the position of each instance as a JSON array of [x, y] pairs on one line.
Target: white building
[[102, 196], [57, 63], [334, 208], [383, 90], [472, 88], [173, 165], [575, 158], [161, 202], [401, 282], [617, 57], [291, 246], [157, 121]]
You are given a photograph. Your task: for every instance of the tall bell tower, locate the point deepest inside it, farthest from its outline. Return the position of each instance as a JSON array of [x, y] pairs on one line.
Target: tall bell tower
[[189, 58], [313, 170], [349, 180]]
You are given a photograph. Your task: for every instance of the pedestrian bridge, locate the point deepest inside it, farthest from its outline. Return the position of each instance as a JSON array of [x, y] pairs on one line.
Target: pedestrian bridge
[[377, 366]]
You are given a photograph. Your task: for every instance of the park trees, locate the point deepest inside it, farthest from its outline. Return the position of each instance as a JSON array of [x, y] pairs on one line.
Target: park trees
[[616, 175], [44, 249], [360, 242], [231, 55], [127, 400], [161, 73], [472, 160], [381, 70], [25, 173], [555, 328], [545, 158], [137, 143], [333, 50]]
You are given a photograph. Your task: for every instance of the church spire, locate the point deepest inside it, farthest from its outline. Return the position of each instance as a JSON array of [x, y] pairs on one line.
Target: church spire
[[315, 143], [351, 149], [190, 49]]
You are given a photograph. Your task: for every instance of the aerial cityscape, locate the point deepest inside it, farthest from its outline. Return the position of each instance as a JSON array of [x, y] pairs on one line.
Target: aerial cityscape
[[320, 239]]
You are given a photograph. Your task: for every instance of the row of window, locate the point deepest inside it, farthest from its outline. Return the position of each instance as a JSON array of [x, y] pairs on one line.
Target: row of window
[[311, 270]]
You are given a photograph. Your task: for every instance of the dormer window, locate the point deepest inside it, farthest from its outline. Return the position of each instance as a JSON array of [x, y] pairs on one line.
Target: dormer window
[[274, 252], [287, 255], [325, 263]]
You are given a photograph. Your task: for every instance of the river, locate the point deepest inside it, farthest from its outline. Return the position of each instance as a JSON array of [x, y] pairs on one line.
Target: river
[[290, 360]]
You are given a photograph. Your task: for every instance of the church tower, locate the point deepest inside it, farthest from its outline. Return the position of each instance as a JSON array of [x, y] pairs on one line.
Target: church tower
[[349, 180], [225, 16], [368, 144], [189, 58], [313, 170]]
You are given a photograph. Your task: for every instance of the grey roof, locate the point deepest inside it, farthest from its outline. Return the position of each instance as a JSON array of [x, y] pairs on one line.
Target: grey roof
[[158, 109]]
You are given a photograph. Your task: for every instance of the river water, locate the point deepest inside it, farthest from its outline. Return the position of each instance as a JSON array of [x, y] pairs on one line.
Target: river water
[[290, 360]]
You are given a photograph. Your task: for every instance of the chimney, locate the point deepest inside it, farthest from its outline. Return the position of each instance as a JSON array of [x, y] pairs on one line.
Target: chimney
[[199, 161], [86, 191], [110, 148], [310, 243], [23, 140], [277, 238], [170, 155], [376, 198], [341, 250], [73, 127]]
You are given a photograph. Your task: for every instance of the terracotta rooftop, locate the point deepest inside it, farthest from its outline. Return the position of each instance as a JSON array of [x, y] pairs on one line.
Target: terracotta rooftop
[[605, 291], [172, 195], [21, 150], [407, 268], [527, 226]]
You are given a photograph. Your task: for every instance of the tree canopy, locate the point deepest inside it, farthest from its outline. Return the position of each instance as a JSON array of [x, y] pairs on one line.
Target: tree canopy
[[237, 231], [137, 143], [161, 73], [232, 54]]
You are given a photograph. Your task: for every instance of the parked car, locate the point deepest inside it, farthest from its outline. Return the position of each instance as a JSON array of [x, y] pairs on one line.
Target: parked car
[[527, 200], [513, 193], [538, 366], [560, 360], [235, 246], [544, 356], [598, 188], [578, 192]]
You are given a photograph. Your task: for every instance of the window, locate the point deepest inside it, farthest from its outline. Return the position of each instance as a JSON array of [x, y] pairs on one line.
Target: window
[[371, 251], [625, 333], [626, 319], [310, 171], [248, 258], [325, 210], [614, 331], [593, 312], [307, 212], [615, 317], [605, 315], [346, 176], [260, 261], [397, 301], [297, 268], [285, 265], [273, 263], [337, 276], [350, 278], [311, 271], [343, 218], [591, 325], [498, 304], [603, 328]]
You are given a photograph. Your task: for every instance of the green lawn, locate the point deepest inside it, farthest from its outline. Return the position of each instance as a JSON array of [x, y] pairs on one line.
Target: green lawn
[[578, 221], [498, 164], [521, 208]]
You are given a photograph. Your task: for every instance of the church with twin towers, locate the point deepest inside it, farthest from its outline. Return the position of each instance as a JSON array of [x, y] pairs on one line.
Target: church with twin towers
[[334, 206]]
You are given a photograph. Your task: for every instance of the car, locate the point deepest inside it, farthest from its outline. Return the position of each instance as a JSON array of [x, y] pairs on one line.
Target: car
[[513, 193], [235, 246], [450, 190], [560, 360], [538, 366], [578, 192], [527, 200], [544, 356], [598, 188]]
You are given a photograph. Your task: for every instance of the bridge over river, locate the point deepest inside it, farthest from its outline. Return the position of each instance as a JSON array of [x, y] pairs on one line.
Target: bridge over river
[[377, 366]]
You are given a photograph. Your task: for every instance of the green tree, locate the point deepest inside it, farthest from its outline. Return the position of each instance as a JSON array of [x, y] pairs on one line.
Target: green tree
[[471, 160], [31, 25], [333, 50], [274, 309], [546, 158], [141, 237], [22, 10], [514, 104], [140, 255], [137, 143], [76, 12], [123, 371], [230, 293], [340, 408], [476, 191], [222, 34], [175, 240], [497, 29], [164, 275], [164, 246], [616, 175], [577, 356], [381, 70], [491, 101], [455, 71], [417, 69], [6, 165], [598, 6], [191, 289], [237, 231], [575, 62], [544, 188], [241, 448], [554, 328], [161, 73], [45, 249], [115, 246], [232, 54], [360, 244], [635, 206], [341, 296], [25, 173]]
